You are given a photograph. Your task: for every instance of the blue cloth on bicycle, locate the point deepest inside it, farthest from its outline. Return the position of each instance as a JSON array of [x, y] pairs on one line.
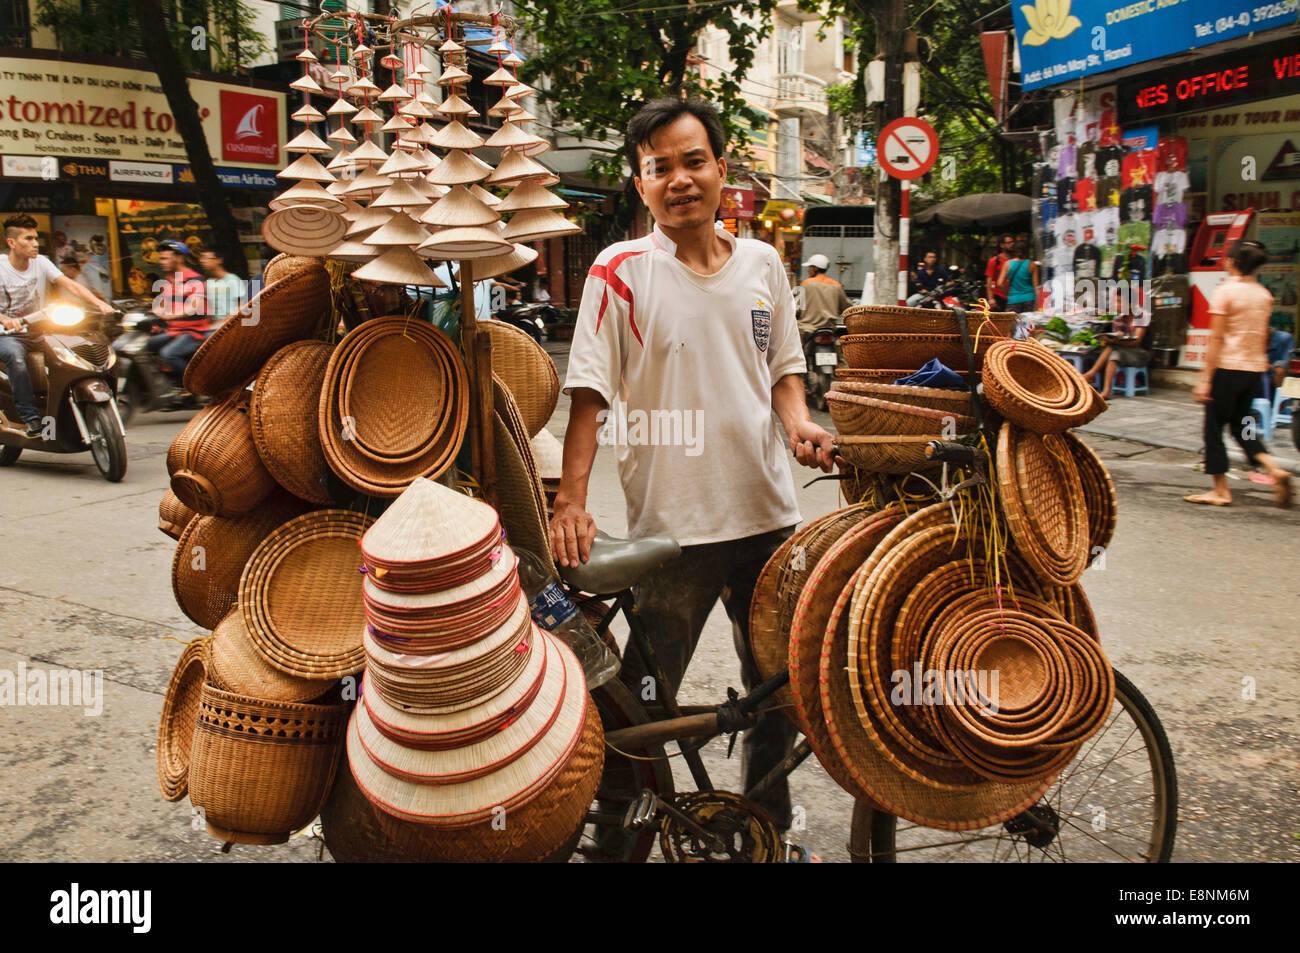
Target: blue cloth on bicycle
[[933, 374]]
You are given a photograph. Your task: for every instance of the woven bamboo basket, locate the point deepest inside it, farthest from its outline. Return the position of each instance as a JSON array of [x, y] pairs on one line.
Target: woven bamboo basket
[[890, 453], [213, 462], [284, 264], [913, 350], [173, 515], [261, 770], [889, 319], [282, 412], [1042, 496], [934, 398], [211, 554], [1035, 389], [527, 371], [853, 414], [1098, 493], [543, 829], [176, 724]]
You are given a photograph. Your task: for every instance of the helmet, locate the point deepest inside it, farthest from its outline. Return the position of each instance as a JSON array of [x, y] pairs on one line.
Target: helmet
[[179, 248], [818, 261]]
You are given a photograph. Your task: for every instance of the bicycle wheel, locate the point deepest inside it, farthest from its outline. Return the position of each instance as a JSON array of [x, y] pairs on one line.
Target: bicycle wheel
[[621, 782], [1117, 801]]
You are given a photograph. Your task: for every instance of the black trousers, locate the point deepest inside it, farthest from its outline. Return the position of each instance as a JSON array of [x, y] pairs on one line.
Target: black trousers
[[1230, 395], [674, 604]]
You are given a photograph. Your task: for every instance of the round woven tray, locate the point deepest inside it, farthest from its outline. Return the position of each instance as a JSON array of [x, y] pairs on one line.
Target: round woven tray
[[527, 370], [300, 595], [284, 264], [1098, 493], [285, 310], [1035, 389], [1042, 497], [283, 417], [520, 500], [913, 350], [176, 723], [890, 319], [856, 415], [173, 515], [213, 463], [235, 665], [380, 398], [934, 398]]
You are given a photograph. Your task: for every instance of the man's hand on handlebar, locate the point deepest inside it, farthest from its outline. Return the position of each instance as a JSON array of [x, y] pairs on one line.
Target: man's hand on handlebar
[[12, 324], [813, 446], [572, 532]]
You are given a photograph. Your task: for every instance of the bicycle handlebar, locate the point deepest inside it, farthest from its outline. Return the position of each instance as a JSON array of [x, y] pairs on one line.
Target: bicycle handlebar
[[943, 451]]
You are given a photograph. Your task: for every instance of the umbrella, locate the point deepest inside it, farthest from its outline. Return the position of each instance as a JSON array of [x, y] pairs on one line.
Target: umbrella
[[983, 208]]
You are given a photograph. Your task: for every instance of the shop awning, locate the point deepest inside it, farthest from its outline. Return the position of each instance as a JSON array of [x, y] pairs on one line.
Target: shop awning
[[983, 208]]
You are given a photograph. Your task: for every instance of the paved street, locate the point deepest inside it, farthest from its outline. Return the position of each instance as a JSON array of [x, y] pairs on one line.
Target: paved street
[[1191, 602]]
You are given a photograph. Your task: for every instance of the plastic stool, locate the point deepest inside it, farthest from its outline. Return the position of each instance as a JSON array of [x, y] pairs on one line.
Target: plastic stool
[[1261, 408], [1280, 415], [1126, 381]]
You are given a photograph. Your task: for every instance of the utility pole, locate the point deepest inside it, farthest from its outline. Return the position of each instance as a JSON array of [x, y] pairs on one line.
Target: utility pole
[[890, 17]]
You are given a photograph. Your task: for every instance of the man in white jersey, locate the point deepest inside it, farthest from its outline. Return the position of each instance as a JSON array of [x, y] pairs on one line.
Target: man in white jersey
[[686, 343]]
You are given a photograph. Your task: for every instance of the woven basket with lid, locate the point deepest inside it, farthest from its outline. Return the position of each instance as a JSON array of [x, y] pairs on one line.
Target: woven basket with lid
[[891, 319], [213, 463]]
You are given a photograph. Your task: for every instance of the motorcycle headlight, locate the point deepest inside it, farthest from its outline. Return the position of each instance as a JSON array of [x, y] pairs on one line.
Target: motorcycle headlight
[[66, 354], [67, 316]]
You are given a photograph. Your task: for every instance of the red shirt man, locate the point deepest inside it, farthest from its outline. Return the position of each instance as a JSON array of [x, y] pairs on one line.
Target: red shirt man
[[181, 301], [997, 293]]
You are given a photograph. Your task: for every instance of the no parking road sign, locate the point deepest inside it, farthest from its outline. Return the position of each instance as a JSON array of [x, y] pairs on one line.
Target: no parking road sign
[[907, 148]]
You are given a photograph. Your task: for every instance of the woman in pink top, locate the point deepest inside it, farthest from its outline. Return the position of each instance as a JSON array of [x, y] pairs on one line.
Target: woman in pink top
[[1234, 364]]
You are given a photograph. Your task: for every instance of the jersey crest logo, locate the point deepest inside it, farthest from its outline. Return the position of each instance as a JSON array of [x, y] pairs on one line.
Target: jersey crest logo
[[761, 321]]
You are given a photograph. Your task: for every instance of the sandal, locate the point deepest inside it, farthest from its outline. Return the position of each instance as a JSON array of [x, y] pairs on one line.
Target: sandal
[[1205, 500]]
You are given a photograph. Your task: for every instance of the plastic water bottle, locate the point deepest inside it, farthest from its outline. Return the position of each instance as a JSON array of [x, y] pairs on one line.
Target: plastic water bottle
[[553, 610]]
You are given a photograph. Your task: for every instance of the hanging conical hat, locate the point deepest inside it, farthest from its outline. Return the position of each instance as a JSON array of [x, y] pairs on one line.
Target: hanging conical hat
[[307, 113], [424, 133], [451, 46], [303, 230], [368, 220], [305, 193], [340, 162], [400, 161], [498, 265], [306, 167], [341, 134], [428, 522], [458, 208], [394, 93], [353, 249], [401, 194], [368, 181], [535, 224], [536, 147], [484, 196], [308, 141], [455, 135], [337, 188], [424, 97], [428, 189], [415, 109], [453, 105], [451, 76], [502, 77], [520, 90], [364, 86], [361, 52], [456, 168], [529, 195], [421, 70], [341, 107], [510, 136], [522, 117], [391, 60], [401, 229], [515, 166], [399, 266], [307, 56], [465, 243], [506, 108], [368, 154], [306, 84], [351, 209], [395, 124], [367, 115], [512, 59], [342, 74]]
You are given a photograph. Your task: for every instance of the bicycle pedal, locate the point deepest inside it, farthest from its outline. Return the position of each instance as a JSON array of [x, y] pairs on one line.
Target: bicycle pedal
[[643, 812]]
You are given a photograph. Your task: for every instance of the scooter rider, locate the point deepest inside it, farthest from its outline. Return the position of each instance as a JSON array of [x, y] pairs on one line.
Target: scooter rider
[[25, 280], [823, 297], [182, 304]]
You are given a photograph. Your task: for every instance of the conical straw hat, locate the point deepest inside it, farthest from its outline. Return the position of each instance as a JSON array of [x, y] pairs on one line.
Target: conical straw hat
[[536, 147], [395, 124], [456, 168], [337, 188], [367, 115], [305, 193], [484, 196], [451, 46], [401, 229], [307, 56], [451, 76], [341, 134], [369, 219], [547, 449], [464, 243], [368, 153], [415, 109], [505, 107], [453, 105], [428, 522], [340, 162], [459, 208], [421, 70], [401, 194], [502, 77], [510, 136], [306, 84], [394, 93], [308, 141], [353, 249], [341, 107], [302, 230], [455, 135], [529, 195], [369, 181], [520, 90], [498, 265], [423, 134], [539, 223], [364, 86], [391, 60], [515, 166], [306, 167], [428, 189], [362, 52], [399, 266], [401, 161], [512, 59], [307, 113]]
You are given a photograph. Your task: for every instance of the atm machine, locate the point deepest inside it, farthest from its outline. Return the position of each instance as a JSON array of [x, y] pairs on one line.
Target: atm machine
[[1205, 269]]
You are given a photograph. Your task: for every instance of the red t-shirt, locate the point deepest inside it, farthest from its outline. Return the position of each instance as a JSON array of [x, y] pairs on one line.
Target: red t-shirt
[[993, 270], [181, 301]]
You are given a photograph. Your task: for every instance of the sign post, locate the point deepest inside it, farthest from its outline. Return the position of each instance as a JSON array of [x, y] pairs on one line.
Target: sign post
[[907, 149]]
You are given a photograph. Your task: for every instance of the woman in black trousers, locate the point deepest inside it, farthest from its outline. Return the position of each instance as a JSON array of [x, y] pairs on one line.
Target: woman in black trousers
[[1234, 362]]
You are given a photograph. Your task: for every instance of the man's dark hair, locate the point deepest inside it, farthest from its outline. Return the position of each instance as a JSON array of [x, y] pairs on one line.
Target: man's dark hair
[[658, 113], [17, 223], [1006, 238], [1247, 256]]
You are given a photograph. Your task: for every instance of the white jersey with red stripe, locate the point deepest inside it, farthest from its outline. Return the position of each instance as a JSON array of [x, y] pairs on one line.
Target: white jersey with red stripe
[[686, 363]]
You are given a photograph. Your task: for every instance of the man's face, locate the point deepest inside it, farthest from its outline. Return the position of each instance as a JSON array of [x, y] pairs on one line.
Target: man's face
[[209, 263], [24, 241], [930, 259], [170, 261], [1006, 245], [680, 180]]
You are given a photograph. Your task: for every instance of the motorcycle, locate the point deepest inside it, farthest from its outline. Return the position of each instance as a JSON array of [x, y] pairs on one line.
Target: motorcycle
[[821, 356], [71, 366], [953, 292], [142, 384], [529, 318]]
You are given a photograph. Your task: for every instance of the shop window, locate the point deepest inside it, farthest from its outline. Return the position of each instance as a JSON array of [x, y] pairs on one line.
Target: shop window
[[15, 24]]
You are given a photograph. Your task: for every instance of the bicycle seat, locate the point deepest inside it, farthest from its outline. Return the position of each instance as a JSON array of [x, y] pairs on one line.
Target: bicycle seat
[[618, 564]]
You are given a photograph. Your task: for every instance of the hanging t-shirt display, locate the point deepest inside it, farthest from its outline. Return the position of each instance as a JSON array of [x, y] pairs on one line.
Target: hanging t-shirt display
[[1044, 181], [1105, 223], [1170, 216], [1087, 167], [1087, 259], [1063, 252], [1063, 108], [1083, 231], [1068, 160], [1110, 160], [1108, 191], [1139, 168], [1065, 195], [1135, 204], [1167, 248], [1135, 233], [1170, 187], [1048, 210], [1172, 154], [1085, 194], [1087, 117], [1109, 132]]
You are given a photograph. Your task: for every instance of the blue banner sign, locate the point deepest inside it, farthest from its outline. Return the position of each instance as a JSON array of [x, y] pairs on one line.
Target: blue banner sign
[[1061, 40], [248, 178]]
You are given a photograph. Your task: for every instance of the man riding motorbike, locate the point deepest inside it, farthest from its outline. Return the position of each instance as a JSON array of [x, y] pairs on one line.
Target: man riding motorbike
[[26, 277], [181, 303], [823, 297]]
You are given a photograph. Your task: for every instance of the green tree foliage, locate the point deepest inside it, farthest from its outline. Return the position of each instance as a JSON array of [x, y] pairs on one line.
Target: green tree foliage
[[606, 58]]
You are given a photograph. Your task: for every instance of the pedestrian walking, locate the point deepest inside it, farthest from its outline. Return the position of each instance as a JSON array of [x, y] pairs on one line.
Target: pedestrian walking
[[1235, 363], [1020, 277], [995, 289]]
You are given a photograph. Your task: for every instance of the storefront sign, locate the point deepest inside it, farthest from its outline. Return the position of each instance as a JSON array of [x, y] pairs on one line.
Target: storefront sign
[[84, 111], [1060, 40], [248, 179], [84, 170], [29, 167], [737, 202], [1240, 77], [152, 172]]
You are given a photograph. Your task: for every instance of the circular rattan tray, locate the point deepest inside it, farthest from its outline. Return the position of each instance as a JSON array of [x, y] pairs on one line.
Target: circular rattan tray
[[235, 665], [1043, 499], [283, 416], [1098, 493], [527, 371], [176, 724], [857, 415]]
